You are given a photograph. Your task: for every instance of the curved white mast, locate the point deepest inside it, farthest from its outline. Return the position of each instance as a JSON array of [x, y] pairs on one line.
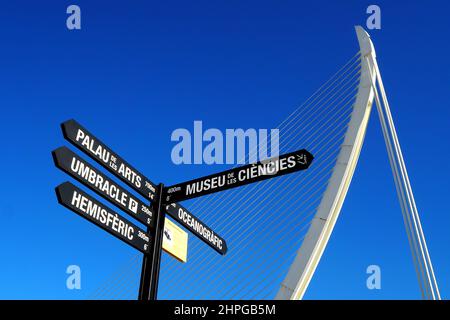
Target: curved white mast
[[310, 252]]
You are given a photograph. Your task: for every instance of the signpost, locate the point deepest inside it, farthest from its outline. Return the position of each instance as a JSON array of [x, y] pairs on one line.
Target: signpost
[[161, 233]]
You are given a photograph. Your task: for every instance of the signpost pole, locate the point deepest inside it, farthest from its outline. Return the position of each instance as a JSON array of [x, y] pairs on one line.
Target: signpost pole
[[144, 286], [148, 289], [157, 247]]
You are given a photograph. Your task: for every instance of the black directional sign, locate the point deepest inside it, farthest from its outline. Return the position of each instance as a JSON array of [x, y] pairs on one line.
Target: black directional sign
[[71, 163], [197, 227], [270, 168], [81, 203], [92, 146]]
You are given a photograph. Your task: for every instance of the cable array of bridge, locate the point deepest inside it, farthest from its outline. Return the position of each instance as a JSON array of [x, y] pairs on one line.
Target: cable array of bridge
[[258, 258]]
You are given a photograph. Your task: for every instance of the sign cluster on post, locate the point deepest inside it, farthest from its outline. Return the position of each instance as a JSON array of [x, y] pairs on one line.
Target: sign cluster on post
[[160, 233]]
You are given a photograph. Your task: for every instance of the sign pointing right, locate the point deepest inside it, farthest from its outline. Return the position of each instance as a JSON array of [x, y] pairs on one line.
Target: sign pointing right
[[197, 227], [262, 170]]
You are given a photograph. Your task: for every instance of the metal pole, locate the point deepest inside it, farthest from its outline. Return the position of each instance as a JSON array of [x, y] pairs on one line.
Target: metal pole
[[159, 232], [148, 288], [144, 286]]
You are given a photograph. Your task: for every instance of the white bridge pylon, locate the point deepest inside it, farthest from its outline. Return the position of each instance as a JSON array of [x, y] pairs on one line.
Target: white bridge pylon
[[308, 256]]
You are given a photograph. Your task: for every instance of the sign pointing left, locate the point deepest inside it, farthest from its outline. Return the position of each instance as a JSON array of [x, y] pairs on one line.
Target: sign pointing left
[[100, 152], [84, 205], [72, 164]]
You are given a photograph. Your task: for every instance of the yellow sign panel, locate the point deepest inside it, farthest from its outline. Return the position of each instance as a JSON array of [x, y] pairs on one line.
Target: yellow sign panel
[[175, 240]]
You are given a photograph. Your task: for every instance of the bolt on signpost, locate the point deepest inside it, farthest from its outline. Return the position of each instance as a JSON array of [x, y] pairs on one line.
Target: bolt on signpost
[[151, 241]]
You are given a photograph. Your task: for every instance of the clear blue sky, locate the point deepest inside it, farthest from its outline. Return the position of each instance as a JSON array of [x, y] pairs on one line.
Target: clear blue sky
[[138, 70]]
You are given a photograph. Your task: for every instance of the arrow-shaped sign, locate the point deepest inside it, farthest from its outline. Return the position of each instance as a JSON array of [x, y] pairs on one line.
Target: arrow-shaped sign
[[262, 170], [71, 163], [83, 204], [197, 227], [93, 147]]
